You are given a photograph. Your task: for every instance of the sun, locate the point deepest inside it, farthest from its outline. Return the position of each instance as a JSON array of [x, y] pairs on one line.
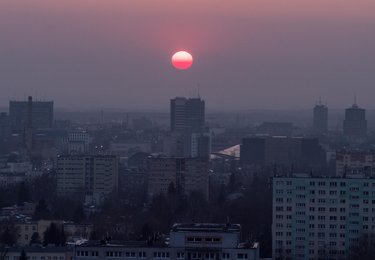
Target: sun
[[182, 60]]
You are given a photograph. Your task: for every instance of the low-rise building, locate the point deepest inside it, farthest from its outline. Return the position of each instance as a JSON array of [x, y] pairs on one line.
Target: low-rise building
[[39, 253], [186, 241]]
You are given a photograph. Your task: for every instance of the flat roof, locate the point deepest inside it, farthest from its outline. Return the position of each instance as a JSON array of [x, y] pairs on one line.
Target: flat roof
[[206, 227]]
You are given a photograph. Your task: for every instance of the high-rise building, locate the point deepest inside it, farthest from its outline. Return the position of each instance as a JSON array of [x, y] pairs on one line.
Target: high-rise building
[[320, 218], [355, 123], [27, 115], [187, 115], [185, 174], [189, 137], [320, 119], [87, 175]]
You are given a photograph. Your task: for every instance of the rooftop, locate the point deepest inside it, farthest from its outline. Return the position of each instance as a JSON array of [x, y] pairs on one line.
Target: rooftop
[[206, 227]]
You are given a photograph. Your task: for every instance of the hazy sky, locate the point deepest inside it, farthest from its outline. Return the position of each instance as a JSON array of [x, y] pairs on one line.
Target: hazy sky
[[249, 54]]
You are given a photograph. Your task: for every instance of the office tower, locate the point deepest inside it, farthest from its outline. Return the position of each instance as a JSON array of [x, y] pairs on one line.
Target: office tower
[[296, 152], [355, 162], [185, 174], [189, 137], [320, 119], [355, 123], [30, 114], [320, 218], [87, 175], [186, 241], [187, 115]]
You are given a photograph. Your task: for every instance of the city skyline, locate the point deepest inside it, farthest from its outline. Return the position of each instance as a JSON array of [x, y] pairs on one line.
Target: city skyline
[[247, 55]]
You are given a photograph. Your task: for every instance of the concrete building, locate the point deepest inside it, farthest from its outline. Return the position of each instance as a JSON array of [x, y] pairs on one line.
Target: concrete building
[[355, 162], [78, 142], [40, 253], [320, 118], [187, 115], [186, 241], [189, 137], [186, 174], [355, 123], [299, 153], [87, 175], [30, 114], [320, 218]]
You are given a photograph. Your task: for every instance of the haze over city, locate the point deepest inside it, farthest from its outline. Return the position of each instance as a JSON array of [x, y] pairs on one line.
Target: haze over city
[[258, 54]]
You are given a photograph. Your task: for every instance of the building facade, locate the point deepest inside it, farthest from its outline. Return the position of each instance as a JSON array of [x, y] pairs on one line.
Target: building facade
[[299, 153], [186, 174], [320, 118], [186, 241], [30, 114], [355, 123], [87, 175], [187, 114], [320, 218], [355, 162]]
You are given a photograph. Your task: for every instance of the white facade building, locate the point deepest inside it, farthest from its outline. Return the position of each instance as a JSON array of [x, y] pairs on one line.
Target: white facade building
[[187, 241], [320, 218]]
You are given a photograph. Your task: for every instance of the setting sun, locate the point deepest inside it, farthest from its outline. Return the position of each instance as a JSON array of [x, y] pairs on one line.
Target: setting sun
[[182, 60]]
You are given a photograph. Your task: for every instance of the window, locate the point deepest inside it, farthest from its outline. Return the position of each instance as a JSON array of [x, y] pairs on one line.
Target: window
[[241, 256]]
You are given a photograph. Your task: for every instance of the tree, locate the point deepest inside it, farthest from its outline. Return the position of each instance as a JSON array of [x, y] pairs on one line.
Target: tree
[[7, 238], [23, 255], [79, 214], [35, 238], [41, 210], [364, 249], [23, 194], [54, 235]]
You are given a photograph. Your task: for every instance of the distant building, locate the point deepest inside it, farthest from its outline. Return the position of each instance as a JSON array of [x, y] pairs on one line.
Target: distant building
[[296, 152], [187, 241], [87, 175], [187, 115], [185, 174], [189, 137], [355, 123], [321, 217], [320, 118], [30, 114], [78, 142], [355, 162]]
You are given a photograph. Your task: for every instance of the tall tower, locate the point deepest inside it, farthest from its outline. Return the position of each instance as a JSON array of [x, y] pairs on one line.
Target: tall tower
[[355, 123], [189, 137], [320, 119], [187, 115]]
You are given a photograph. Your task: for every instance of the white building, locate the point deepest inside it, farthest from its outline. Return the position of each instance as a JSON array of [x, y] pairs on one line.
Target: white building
[[320, 218], [187, 241]]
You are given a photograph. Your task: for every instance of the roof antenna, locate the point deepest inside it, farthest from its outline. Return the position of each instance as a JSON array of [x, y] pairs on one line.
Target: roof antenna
[[198, 89]]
